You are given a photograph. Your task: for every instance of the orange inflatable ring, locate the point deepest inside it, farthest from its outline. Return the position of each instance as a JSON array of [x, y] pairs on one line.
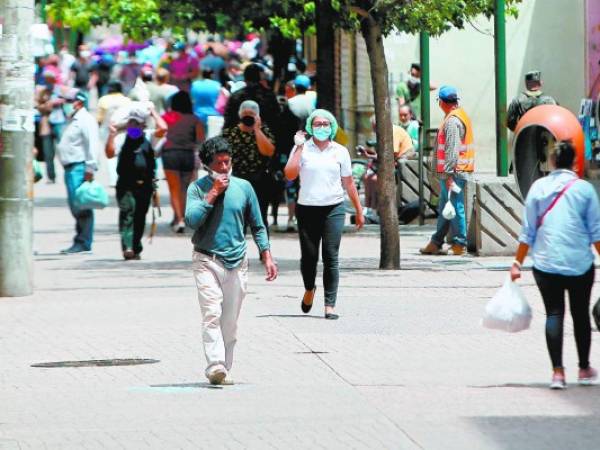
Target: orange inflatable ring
[[561, 123]]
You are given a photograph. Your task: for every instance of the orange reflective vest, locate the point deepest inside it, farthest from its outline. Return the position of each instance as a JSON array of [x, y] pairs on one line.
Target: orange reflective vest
[[466, 153]]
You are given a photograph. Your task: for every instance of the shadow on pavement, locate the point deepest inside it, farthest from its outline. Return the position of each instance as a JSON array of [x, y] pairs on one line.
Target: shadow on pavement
[[540, 432], [294, 316], [200, 385], [512, 385]]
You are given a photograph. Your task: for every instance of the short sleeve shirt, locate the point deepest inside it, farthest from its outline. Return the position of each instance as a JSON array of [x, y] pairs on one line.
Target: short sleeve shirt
[[402, 141], [248, 162], [402, 91], [321, 173]]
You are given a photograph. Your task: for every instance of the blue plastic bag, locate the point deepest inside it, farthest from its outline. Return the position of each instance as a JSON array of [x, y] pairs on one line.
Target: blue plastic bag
[[91, 195], [37, 171]]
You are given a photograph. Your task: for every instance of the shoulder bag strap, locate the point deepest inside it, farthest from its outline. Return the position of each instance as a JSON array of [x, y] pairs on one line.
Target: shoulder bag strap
[[540, 220]]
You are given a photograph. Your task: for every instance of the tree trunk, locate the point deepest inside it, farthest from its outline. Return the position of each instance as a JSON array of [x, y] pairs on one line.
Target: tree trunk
[[16, 144], [386, 180], [325, 56]]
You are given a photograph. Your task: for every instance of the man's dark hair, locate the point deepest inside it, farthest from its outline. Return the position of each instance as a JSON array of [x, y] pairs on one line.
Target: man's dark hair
[[181, 102], [147, 76], [114, 86], [300, 89], [210, 50], [252, 73], [565, 155], [212, 147], [416, 66], [207, 73]]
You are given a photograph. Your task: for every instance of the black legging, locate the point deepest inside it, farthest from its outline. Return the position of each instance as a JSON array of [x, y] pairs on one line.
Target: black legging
[[316, 224], [552, 288]]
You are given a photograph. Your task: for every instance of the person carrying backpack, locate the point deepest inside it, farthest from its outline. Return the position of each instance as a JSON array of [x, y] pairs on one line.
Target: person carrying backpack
[[136, 169]]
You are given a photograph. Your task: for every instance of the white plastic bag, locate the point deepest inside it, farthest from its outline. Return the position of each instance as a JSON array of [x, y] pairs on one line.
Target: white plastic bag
[[508, 310], [449, 212], [121, 115]]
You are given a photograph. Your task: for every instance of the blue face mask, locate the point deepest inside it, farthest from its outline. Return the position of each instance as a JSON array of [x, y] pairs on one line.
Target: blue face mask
[[322, 133], [134, 132], [68, 108]]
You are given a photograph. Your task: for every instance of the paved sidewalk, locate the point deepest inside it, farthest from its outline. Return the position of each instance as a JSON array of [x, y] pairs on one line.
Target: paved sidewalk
[[406, 366]]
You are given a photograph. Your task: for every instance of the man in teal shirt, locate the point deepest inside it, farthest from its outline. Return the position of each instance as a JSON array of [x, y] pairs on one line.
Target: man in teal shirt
[[218, 208]]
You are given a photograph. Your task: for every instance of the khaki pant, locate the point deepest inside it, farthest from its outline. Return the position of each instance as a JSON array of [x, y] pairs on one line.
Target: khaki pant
[[221, 292]]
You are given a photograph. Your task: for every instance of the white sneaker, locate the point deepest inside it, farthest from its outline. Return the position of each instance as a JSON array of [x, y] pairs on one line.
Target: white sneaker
[[179, 227], [217, 375]]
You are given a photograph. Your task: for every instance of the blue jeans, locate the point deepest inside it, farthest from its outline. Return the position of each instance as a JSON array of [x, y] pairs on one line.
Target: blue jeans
[[321, 225], [84, 220], [456, 226]]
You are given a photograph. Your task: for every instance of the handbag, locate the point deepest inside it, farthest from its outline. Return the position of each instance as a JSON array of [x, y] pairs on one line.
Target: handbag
[[90, 195]]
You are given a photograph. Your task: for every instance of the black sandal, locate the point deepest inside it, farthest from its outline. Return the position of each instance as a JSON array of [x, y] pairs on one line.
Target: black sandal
[[307, 307], [331, 316]]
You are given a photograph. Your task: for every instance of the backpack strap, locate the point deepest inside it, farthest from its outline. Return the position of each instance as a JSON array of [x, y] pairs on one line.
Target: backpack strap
[[540, 220]]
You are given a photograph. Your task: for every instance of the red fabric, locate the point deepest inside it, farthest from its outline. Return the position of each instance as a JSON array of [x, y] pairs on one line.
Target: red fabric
[[171, 117]]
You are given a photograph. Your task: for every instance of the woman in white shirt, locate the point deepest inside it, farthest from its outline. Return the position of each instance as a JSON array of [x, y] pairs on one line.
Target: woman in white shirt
[[325, 171]]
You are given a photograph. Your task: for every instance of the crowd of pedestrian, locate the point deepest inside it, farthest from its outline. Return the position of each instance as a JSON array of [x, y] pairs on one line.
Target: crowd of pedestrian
[[212, 108]]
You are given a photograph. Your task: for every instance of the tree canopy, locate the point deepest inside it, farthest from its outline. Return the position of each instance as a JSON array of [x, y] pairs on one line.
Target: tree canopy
[[142, 18]]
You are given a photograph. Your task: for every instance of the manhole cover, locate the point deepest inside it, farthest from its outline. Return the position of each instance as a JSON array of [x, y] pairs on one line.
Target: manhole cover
[[97, 363]]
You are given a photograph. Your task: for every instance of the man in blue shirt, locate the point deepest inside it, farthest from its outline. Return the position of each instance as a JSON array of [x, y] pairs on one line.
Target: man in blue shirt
[[218, 208]]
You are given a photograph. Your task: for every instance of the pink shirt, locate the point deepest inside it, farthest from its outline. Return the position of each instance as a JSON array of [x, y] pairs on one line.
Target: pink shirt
[[180, 67]]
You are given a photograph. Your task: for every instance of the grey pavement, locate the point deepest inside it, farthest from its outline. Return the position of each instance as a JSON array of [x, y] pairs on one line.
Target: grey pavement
[[407, 365]]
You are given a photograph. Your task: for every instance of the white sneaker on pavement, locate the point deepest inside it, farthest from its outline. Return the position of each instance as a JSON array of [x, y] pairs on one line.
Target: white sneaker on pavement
[[217, 375]]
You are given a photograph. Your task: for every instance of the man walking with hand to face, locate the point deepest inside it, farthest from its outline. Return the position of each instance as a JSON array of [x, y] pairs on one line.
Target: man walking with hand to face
[[218, 207]]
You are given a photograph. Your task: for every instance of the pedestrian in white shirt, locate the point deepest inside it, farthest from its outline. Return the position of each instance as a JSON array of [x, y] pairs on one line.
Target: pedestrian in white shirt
[[325, 171], [76, 152]]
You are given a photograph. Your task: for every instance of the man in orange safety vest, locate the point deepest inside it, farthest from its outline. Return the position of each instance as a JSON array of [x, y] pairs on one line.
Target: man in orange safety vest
[[455, 163]]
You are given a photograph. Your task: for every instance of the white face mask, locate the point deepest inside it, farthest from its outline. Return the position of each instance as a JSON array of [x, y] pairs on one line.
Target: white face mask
[[85, 54], [214, 174]]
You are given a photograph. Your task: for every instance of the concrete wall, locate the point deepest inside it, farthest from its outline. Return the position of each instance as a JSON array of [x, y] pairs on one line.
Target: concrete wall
[[549, 35]]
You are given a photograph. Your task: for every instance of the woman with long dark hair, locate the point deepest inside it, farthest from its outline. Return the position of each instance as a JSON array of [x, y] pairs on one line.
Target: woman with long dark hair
[[184, 135]]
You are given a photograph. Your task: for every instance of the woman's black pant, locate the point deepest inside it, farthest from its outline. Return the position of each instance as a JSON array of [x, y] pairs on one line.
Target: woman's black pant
[[553, 287], [262, 185], [316, 224]]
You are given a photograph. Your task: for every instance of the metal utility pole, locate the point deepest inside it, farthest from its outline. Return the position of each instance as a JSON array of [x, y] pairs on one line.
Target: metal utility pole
[[16, 144], [425, 117], [43, 11], [500, 63]]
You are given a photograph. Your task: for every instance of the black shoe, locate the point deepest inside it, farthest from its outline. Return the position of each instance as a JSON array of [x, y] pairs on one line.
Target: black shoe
[[75, 249], [128, 254], [331, 316], [306, 307]]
